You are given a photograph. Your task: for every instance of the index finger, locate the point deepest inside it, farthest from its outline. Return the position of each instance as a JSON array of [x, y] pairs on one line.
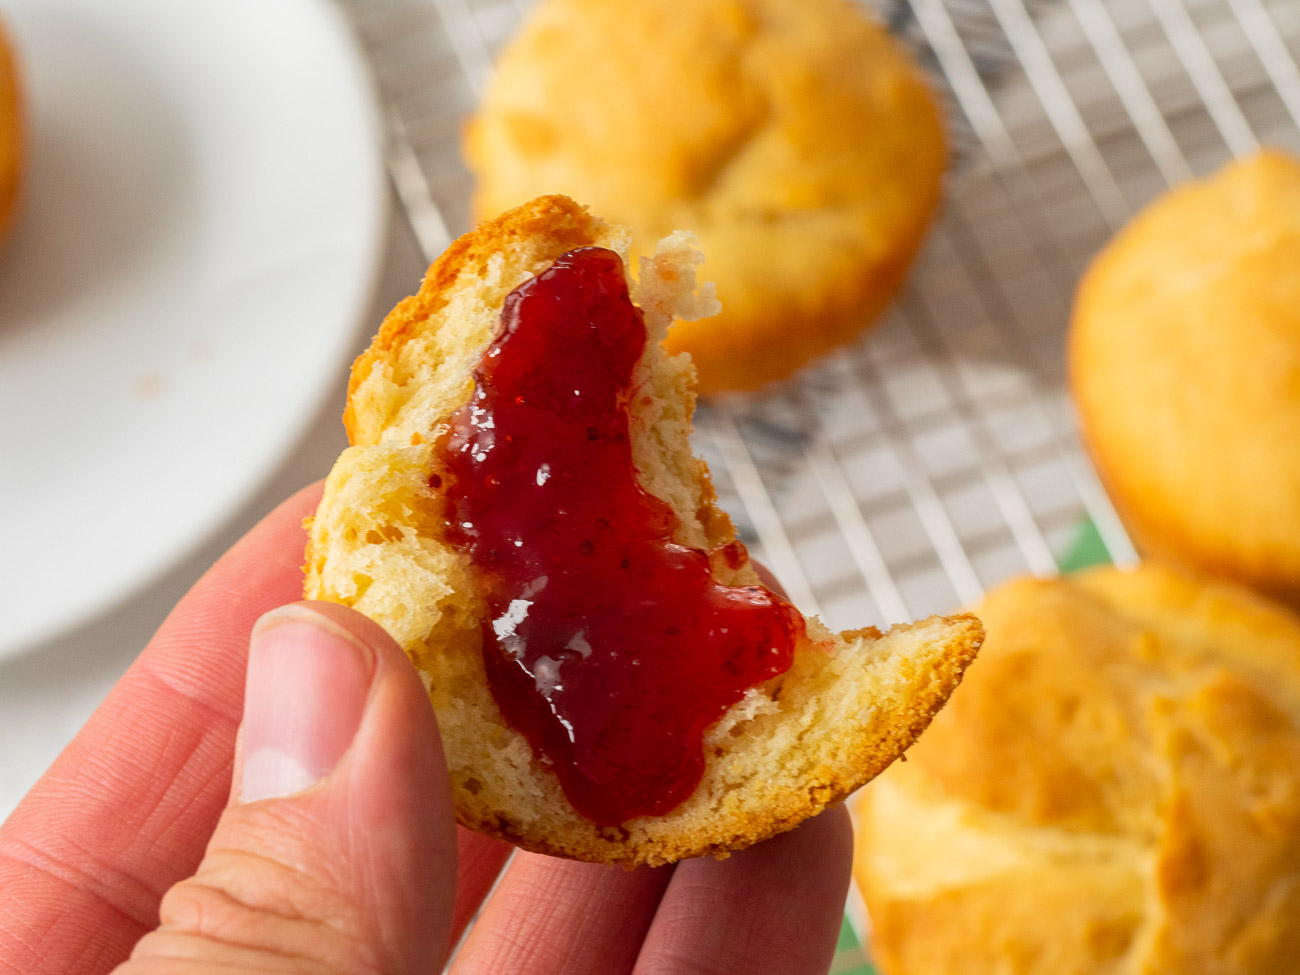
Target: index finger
[[772, 909], [127, 808]]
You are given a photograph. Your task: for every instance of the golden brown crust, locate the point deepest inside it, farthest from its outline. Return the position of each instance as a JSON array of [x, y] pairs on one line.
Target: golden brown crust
[[1184, 353], [1115, 788], [377, 544], [746, 122], [11, 133], [566, 224]]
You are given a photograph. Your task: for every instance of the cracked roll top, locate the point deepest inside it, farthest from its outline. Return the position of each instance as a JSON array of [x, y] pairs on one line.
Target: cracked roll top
[[1114, 789]]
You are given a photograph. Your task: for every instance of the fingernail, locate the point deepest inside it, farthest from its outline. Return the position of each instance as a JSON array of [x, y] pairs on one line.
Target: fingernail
[[304, 696]]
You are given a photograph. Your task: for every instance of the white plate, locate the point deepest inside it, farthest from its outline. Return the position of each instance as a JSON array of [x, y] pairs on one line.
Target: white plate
[[201, 232]]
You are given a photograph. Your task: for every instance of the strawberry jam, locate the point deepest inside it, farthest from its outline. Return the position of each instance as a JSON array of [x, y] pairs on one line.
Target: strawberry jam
[[609, 646]]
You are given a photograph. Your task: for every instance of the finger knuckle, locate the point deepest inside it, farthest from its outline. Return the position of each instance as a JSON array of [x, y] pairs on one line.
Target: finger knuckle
[[240, 908]]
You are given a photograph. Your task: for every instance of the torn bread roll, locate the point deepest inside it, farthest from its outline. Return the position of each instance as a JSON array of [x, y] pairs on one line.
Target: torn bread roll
[[388, 541]]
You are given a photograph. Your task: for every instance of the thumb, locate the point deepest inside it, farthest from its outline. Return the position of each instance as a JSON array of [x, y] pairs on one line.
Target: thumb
[[338, 850]]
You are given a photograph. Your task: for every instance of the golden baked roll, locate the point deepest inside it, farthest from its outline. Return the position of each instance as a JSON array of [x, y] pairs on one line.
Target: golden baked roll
[[11, 133], [1185, 365], [1113, 790], [443, 388], [795, 138]]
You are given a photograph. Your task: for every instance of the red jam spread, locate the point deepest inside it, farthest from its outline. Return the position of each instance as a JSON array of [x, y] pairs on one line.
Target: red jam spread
[[609, 646]]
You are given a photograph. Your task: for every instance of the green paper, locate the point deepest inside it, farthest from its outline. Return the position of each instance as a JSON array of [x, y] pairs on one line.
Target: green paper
[[1086, 550], [850, 957]]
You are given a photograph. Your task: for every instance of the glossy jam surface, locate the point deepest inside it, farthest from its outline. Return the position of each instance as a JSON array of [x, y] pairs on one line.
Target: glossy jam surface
[[610, 647]]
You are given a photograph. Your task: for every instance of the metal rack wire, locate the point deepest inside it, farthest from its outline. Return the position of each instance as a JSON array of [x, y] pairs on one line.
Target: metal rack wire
[[907, 473]]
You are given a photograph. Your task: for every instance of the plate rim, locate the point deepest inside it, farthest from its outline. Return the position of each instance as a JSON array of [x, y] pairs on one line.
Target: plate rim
[[354, 302]]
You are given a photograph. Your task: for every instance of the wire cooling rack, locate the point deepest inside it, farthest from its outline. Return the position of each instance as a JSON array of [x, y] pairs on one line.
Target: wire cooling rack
[[936, 457], [907, 473]]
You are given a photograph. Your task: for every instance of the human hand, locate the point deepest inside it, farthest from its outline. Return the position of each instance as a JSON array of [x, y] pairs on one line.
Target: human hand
[[335, 850]]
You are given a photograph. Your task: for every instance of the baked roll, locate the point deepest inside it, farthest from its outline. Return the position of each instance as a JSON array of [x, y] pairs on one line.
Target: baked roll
[[795, 138], [458, 558], [1113, 790], [1185, 365], [11, 133]]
